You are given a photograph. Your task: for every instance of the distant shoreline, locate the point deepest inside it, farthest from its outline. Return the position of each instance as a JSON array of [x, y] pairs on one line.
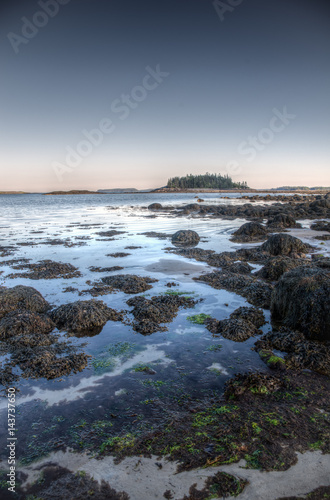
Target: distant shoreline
[[170, 191]]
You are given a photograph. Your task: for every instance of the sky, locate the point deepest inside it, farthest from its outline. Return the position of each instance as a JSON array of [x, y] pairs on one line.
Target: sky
[[98, 94]]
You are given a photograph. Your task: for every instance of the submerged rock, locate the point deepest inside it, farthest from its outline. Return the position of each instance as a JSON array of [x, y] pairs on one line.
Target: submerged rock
[[284, 244], [24, 323], [21, 298], [301, 301], [150, 313], [249, 232], [185, 238], [84, 315], [129, 283]]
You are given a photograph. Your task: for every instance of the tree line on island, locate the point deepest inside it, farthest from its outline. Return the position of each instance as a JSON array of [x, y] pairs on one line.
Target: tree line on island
[[205, 181]]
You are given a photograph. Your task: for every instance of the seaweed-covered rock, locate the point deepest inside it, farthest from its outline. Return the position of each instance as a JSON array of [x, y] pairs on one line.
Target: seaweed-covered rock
[[239, 268], [49, 366], [301, 353], [238, 330], [129, 283], [111, 233], [257, 383], [284, 244], [249, 232], [320, 205], [46, 270], [84, 315], [150, 313], [301, 301], [185, 238], [7, 377], [155, 206], [24, 323], [282, 221], [272, 361], [21, 298], [277, 266], [252, 314], [321, 225], [256, 292], [321, 261], [253, 255]]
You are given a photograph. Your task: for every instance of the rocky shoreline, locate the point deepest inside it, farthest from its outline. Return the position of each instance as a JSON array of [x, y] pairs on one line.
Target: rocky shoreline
[[263, 417]]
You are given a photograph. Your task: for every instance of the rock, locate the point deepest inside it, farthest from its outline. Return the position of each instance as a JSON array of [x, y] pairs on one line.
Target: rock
[[255, 383], [185, 238], [302, 353], [272, 361], [251, 231], [321, 261], [252, 314], [237, 330], [129, 283], [84, 316], [48, 366], [284, 244], [320, 204], [155, 206], [257, 292], [277, 266], [192, 206], [321, 225], [282, 221], [46, 270], [24, 323], [239, 268], [301, 301], [150, 313], [21, 298]]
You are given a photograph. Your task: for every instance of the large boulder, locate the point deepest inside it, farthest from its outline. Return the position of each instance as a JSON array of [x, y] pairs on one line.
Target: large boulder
[[21, 298], [284, 244], [301, 301], [251, 231], [185, 238]]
